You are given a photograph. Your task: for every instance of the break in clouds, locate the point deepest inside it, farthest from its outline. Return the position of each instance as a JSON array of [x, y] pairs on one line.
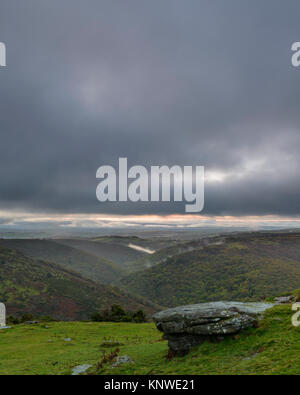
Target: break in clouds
[[159, 82]]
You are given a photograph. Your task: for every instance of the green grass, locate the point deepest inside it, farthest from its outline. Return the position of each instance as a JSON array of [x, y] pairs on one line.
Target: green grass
[[273, 348], [33, 349]]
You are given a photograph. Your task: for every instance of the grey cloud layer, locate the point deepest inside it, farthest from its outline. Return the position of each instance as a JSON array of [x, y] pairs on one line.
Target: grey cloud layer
[[172, 82]]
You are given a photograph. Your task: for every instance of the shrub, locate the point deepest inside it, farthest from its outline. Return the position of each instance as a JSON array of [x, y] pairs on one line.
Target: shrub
[[139, 317], [118, 314]]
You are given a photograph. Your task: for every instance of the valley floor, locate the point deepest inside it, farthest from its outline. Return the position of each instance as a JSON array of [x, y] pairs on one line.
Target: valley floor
[[56, 348]]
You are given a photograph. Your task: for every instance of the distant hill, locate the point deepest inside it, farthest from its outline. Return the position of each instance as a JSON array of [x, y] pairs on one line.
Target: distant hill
[[248, 267], [173, 248], [106, 248], [118, 249], [104, 259], [33, 286], [92, 266]]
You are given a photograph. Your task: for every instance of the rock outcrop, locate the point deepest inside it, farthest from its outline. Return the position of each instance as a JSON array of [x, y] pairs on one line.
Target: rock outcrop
[[284, 299], [187, 326]]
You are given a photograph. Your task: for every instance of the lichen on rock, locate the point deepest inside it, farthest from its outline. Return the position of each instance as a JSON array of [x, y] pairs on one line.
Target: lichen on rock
[[187, 326]]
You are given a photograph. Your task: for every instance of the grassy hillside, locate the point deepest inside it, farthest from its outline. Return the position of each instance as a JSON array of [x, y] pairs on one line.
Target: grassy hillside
[[34, 286], [91, 266], [243, 268], [273, 348]]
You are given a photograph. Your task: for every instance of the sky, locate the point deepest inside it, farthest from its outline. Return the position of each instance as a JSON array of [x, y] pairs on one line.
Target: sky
[[198, 82]]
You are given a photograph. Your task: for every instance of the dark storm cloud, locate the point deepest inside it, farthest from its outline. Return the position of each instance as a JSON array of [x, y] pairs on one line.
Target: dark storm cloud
[[172, 82]]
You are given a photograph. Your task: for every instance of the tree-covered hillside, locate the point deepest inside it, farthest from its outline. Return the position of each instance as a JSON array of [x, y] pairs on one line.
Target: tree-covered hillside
[[32, 286], [250, 267]]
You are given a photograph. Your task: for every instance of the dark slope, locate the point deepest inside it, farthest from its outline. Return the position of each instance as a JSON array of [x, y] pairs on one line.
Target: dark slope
[[33, 286], [90, 266]]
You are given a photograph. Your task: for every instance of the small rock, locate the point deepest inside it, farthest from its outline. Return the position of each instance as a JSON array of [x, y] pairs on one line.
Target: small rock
[[122, 359], [5, 327], [67, 339], [284, 299], [252, 356], [80, 369]]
